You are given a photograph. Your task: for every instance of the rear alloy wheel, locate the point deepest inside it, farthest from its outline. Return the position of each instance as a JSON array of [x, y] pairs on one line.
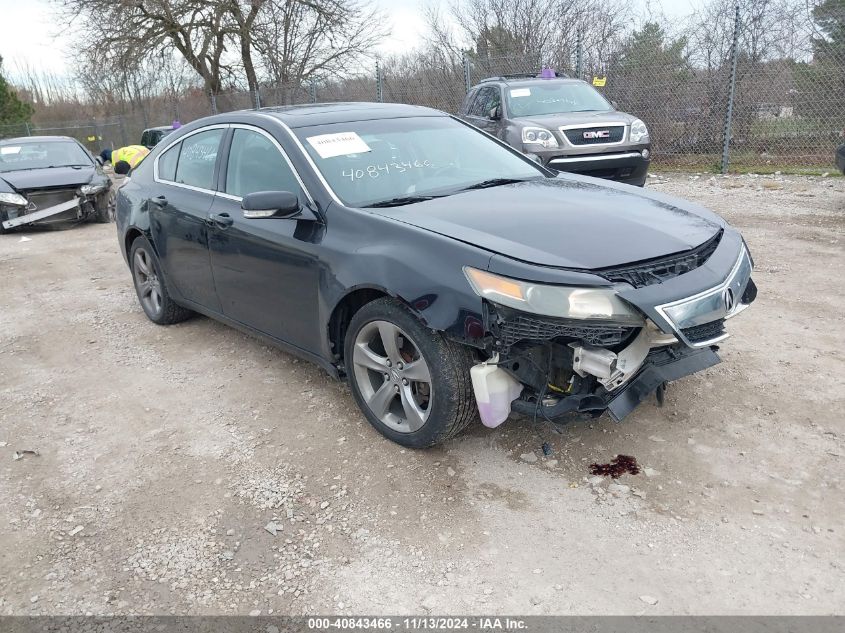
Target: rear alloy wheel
[[411, 383], [150, 286]]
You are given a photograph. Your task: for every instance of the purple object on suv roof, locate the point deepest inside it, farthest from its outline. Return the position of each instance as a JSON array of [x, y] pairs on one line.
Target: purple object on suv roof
[[547, 73]]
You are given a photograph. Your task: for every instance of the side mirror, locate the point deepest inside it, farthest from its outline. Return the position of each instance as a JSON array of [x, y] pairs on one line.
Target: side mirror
[[99, 160], [495, 113], [615, 105], [270, 204]]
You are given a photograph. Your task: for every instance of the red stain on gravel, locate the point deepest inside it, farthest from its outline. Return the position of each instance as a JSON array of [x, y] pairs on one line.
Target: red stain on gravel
[[619, 465]]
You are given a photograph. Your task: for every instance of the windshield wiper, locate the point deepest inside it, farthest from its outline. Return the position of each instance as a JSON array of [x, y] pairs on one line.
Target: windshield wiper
[[493, 182], [399, 201]]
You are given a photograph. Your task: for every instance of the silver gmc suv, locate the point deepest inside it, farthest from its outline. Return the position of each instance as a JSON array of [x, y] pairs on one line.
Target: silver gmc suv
[[563, 122]]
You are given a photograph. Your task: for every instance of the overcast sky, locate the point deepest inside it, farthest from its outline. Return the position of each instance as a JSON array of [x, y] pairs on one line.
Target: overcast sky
[[30, 33]]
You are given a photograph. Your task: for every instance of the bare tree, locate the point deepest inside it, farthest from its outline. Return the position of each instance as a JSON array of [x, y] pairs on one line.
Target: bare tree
[[533, 31], [121, 32], [300, 41], [222, 39]]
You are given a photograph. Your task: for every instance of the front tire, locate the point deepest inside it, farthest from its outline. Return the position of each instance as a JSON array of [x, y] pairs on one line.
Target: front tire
[[104, 209], [150, 285], [412, 384]]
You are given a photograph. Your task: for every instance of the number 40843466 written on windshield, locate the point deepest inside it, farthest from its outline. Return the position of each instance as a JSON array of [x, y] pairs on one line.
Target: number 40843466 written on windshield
[[375, 171]]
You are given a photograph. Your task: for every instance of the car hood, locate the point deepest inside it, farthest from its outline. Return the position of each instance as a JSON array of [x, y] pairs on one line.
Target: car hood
[[553, 121], [49, 178], [570, 222]]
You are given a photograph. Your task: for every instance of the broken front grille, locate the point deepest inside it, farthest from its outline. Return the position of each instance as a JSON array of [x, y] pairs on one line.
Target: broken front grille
[[704, 332], [517, 327], [601, 135], [41, 200], [659, 270]]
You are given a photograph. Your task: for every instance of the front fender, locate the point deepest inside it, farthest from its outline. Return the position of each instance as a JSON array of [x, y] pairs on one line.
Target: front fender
[[421, 268]]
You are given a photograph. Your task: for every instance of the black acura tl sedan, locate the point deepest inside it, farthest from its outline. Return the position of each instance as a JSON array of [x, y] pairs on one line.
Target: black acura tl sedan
[[439, 271]]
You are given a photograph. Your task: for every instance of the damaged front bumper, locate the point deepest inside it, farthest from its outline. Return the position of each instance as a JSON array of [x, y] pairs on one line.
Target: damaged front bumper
[[48, 206], [563, 366], [19, 216]]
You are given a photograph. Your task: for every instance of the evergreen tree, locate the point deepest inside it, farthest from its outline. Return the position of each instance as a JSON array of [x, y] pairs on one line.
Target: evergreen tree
[[830, 18], [12, 109]]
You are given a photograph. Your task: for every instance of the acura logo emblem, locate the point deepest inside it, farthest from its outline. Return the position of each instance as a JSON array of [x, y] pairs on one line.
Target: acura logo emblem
[[730, 301]]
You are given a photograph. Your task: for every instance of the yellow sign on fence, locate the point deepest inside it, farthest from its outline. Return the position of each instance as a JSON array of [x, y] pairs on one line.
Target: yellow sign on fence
[[600, 81]]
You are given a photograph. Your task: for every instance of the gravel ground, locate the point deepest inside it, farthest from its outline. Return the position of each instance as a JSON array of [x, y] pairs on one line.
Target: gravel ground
[[192, 469]]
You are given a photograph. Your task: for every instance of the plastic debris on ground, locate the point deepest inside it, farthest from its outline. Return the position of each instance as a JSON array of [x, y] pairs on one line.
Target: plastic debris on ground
[[273, 527], [20, 454]]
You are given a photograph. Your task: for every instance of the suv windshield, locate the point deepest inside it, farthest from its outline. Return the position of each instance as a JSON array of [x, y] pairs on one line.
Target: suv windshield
[[42, 155], [390, 162], [553, 97]]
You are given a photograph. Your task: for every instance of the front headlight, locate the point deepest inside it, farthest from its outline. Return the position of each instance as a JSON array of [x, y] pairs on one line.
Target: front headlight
[[92, 189], [13, 199], [566, 302], [538, 136], [639, 132]]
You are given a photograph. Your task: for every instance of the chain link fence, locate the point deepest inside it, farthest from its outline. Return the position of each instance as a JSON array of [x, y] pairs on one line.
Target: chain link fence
[[735, 110]]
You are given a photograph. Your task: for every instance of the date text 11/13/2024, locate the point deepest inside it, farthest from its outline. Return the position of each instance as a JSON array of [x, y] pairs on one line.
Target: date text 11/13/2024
[[479, 623]]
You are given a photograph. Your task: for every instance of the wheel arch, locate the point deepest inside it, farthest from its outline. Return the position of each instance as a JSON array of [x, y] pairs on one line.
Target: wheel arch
[[132, 234], [346, 307]]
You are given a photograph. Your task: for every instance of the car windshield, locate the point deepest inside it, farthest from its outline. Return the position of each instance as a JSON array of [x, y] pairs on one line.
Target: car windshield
[[389, 162], [553, 97], [42, 155]]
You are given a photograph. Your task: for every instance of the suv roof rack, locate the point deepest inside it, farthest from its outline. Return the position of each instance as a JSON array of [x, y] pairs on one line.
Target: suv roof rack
[[558, 75]]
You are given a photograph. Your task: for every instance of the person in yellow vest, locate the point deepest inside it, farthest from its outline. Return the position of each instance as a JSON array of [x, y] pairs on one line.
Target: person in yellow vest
[[131, 155]]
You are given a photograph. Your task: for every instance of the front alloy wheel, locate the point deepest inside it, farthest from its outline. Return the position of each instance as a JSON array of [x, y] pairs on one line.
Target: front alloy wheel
[[411, 383], [393, 376]]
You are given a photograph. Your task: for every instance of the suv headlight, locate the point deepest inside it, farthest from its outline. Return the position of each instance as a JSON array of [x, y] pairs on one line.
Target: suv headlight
[[566, 302], [538, 136], [639, 132], [92, 189], [13, 199]]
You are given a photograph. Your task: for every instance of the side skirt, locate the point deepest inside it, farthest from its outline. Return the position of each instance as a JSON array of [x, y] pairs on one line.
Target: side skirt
[[325, 365]]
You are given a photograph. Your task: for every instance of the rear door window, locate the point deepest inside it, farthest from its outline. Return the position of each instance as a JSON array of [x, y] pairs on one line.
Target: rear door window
[[167, 163], [197, 159]]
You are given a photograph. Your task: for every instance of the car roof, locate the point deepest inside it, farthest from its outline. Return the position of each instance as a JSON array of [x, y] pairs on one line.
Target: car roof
[[20, 140], [531, 81], [323, 113]]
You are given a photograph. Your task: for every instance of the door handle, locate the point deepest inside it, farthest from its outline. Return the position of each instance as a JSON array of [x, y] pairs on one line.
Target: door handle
[[220, 220], [159, 201]]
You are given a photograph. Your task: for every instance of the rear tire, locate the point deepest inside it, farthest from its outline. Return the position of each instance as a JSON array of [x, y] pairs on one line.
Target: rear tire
[[415, 390], [150, 285]]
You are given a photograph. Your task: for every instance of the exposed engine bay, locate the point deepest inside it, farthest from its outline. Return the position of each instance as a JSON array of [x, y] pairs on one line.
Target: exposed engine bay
[[546, 367]]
